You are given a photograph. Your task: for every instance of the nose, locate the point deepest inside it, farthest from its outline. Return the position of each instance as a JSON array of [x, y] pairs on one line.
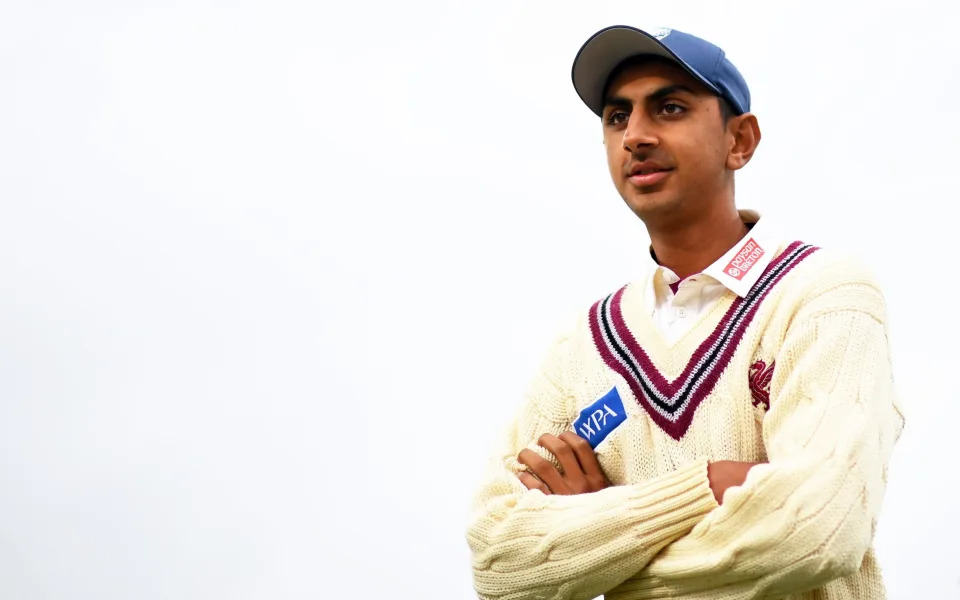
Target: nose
[[638, 133]]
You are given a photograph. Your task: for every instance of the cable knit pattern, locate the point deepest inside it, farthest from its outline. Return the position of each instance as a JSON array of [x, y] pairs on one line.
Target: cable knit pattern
[[801, 526]]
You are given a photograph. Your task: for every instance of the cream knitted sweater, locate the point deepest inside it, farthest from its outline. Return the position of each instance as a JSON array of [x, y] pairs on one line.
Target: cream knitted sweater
[[796, 374]]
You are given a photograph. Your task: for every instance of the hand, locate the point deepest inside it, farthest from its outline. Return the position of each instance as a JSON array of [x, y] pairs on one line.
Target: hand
[[581, 470], [725, 474]]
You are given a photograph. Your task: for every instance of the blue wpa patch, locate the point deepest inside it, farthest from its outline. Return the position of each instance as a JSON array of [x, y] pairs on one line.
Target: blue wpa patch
[[600, 418]]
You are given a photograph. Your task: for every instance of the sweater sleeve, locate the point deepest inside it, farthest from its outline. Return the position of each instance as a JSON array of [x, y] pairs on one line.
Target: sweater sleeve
[[527, 545], [808, 516]]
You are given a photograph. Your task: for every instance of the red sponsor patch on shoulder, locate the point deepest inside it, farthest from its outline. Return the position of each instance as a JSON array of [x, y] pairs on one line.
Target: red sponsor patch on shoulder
[[748, 256]]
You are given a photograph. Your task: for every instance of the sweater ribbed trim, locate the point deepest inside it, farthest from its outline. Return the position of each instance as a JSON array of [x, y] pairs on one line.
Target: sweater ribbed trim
[[672, 404]]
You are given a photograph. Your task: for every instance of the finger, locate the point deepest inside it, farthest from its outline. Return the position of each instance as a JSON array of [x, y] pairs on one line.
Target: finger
[[543, 469], [564, 454], [532, 483], [584, 453]]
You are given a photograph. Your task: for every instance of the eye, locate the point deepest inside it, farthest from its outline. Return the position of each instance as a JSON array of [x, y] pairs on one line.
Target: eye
[[672, 108], [617, 117]]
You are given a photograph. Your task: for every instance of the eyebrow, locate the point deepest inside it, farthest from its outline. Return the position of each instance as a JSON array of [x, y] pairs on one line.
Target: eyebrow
[[621, 102]]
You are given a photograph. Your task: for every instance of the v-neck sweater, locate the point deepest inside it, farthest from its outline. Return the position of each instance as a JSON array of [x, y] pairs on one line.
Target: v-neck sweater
[[795, 374]]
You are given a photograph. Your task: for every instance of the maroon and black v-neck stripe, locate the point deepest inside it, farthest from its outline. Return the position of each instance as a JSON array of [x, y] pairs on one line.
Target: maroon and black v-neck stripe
[[671, 404]]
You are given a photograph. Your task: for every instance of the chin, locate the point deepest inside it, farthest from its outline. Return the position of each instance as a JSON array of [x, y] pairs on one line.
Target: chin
[[648, 204]]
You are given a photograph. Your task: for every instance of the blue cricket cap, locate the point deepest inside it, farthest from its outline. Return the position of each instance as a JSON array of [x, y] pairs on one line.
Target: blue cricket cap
[[606, 49]]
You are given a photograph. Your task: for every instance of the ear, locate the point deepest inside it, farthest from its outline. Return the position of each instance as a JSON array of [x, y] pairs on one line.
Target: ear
[[744, 138]]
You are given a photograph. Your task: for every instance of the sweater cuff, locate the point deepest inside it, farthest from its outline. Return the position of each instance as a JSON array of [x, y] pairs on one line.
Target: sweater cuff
[[675, 503]]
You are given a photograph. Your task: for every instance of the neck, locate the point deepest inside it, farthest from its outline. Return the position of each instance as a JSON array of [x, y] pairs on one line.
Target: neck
[[692, 246]]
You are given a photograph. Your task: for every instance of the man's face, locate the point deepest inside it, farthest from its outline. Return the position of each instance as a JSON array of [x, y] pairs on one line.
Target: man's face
[[666, 140]]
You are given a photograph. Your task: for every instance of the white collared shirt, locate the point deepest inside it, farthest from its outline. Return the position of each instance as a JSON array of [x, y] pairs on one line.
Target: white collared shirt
[[737, 270]]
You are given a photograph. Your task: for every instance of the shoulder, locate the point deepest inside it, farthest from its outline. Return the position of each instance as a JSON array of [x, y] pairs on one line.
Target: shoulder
[[829, 264], [825, 279]]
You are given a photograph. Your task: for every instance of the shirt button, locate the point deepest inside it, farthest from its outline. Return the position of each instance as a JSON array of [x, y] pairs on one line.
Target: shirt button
[[682, 312]]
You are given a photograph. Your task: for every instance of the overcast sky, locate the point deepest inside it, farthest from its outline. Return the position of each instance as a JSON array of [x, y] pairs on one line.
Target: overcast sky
[[274, 275]]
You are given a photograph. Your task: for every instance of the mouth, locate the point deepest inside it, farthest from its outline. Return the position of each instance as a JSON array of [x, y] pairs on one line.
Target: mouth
[[646, 177]]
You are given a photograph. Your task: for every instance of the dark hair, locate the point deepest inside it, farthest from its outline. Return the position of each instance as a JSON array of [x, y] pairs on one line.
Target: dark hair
[[726, 110]]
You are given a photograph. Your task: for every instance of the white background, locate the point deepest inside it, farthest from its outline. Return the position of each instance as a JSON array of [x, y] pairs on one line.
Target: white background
[[273, 275]]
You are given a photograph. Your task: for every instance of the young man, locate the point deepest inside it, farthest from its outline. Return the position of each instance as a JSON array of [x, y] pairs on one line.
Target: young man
[[720, 429]]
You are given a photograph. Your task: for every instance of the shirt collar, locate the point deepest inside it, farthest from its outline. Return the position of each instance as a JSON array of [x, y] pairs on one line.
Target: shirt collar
[[738, 269]]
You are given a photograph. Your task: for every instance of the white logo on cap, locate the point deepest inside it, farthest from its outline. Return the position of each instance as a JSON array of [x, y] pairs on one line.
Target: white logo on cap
[[660, 32]]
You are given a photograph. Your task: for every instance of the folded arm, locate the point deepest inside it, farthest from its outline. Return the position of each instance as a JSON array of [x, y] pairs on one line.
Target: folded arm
[[809, 515], [527, 544]]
